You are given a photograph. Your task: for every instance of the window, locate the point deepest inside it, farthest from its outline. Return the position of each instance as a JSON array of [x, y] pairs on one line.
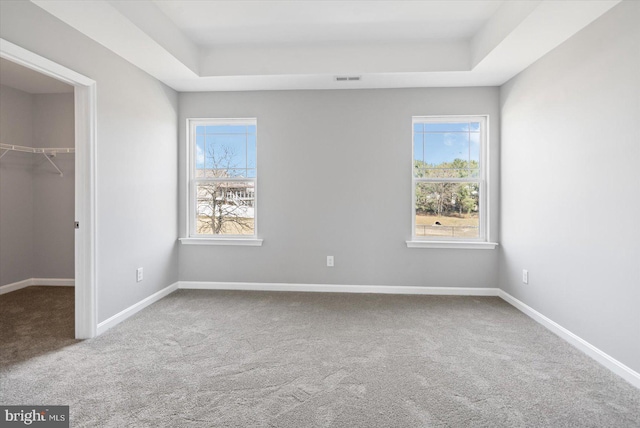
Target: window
[[449, 179], [222, 179]]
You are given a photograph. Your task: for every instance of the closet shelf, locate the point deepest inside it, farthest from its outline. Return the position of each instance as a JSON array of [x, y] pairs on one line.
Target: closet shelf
[[47, 152]]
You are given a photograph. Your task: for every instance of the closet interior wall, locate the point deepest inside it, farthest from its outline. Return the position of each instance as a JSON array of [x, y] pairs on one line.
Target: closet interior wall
[[16, 187], [36, 204]]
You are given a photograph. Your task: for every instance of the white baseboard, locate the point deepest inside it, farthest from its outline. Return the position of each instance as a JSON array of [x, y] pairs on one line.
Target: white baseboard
[[603, 358], [336, 288], [66, 282], [16, 286], [134, 309]]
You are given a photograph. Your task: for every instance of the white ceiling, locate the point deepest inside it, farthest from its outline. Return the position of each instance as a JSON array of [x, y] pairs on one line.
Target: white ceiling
[[27, 80], [303, 44]]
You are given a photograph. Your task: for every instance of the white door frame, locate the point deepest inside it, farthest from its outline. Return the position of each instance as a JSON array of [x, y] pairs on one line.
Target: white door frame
[[85, 180]]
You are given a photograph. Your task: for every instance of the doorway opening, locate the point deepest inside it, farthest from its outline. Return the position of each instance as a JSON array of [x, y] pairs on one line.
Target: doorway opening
[[84, 186]]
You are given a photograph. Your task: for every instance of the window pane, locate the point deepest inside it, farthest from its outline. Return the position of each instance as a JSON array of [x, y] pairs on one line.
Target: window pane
[[225, 151], [225, 208], [226, 129], [446, 172], [418, 127], [200, 130], [238, 173], [211, 158], [446, 127], [251, 151], [474, 150], [212, 173], [443, 149], [199, 151], [232, 150], [447, 210], [418, 149]]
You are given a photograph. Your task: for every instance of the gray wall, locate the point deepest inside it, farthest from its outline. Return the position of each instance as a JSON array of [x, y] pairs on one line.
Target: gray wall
[[53, 196], [570, 183], [334, 178], [136, 155], [16, 187]]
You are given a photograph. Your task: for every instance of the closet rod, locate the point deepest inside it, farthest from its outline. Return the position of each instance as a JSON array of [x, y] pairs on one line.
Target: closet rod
[[45, 151]]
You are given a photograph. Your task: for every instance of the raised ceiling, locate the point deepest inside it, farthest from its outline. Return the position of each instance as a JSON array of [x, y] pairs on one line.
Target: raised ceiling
[[262, 45], [216, 23]]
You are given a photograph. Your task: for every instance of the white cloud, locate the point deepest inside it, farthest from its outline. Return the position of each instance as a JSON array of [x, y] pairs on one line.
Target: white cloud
[[199, 155]]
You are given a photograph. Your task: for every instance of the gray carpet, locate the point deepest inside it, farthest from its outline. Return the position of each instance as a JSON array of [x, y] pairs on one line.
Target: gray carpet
[[264, 359]]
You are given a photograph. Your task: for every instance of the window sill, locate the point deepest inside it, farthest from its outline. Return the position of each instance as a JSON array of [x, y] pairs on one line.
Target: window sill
[[469, 245], [248, 242]]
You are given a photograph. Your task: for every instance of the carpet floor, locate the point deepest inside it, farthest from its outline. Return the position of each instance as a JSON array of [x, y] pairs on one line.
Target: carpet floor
[[266, 359]]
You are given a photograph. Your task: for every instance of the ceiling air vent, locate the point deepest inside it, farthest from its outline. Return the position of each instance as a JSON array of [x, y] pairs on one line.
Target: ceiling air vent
[[348, 78]]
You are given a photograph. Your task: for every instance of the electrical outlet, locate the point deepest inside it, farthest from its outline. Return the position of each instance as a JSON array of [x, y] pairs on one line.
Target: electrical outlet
[[525, 276], [139, 275], [330, 261]]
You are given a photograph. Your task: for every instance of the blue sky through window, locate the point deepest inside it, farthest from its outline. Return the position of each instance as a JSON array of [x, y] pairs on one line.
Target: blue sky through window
[[437, 143], [228, 147]]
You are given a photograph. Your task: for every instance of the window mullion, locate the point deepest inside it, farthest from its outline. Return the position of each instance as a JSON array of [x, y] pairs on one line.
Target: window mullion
[[447, 180]]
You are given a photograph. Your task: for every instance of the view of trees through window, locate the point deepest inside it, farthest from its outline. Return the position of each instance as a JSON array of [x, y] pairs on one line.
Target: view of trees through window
[[447, 177], [224, 177]]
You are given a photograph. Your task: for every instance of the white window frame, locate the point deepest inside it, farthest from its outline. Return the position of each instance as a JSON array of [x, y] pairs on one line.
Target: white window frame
[[482, 242], [191, 237]]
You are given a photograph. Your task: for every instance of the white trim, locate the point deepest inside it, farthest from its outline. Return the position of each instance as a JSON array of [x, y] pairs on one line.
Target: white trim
[[471, 245], [8, 288], [85, 179], [86, 211], [187, 189], [19, 55], [250, 242], [135, 308], [601, 357], [55, 282], [486, 165], [247, 121], [337, 288]]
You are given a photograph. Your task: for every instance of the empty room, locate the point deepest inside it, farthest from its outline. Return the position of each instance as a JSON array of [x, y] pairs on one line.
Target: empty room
[[320, 213]]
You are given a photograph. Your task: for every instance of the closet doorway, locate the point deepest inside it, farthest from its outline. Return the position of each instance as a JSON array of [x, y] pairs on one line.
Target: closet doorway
[[55, 191]]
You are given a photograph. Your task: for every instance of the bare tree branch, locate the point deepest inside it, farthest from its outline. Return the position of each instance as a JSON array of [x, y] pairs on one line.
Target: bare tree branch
[[224, 207]]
